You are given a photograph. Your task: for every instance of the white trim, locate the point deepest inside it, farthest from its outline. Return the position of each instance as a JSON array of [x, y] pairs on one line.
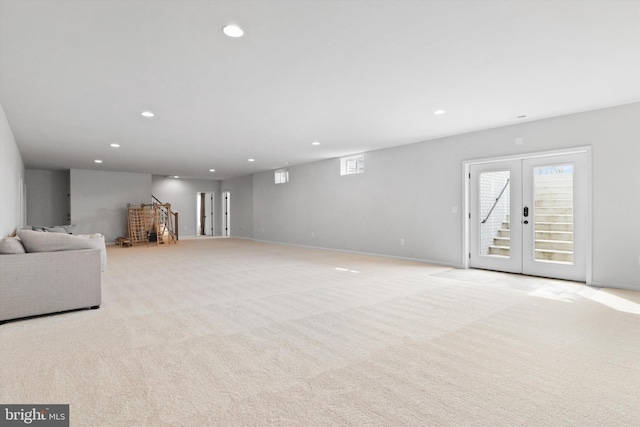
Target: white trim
[[201, 237], [589, 243], [574, 150], [466, 164]]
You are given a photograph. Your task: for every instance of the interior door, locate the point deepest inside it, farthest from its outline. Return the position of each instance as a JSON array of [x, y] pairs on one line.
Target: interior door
[[209, 214], [529, 216], [226, 213]]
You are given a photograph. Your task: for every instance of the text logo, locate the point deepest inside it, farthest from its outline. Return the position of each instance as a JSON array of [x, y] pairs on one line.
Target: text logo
[[34, 415]]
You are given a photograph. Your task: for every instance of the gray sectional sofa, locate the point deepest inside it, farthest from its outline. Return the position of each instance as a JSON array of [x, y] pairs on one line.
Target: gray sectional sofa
[[52, 273]]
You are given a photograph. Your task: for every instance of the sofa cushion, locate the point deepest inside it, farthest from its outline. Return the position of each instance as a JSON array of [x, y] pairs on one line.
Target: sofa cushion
[[11, 245], [54, 229], [68, 228], [36, 241]]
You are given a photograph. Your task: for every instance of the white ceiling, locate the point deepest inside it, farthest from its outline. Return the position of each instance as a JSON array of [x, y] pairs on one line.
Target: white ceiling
[[353, 75]]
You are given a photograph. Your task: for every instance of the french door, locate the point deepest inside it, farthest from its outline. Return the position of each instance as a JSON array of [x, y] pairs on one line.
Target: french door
[[529, 216]]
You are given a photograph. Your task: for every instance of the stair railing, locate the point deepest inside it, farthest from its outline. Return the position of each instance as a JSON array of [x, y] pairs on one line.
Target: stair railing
[[170, 217], [496, 202]]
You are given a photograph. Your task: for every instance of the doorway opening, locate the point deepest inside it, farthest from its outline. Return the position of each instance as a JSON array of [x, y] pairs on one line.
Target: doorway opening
[[205, 218], [530, 214]]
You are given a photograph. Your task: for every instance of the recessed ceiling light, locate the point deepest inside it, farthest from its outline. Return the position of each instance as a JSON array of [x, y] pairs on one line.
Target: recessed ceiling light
[[252, 160], [212, 170], [438, 112], [233, 31], [97, 161], [114, 145], [147, 114], [176, 176], [315, 143]]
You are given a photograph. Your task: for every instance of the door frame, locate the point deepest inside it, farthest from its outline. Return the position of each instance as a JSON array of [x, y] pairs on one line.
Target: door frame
[[466, 217]]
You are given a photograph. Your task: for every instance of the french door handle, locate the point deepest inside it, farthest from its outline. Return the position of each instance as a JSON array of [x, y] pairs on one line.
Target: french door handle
[[525, 213]]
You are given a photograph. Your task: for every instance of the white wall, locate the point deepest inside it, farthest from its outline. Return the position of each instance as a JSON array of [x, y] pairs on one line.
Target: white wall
[[99, 200], [12, 216], [48, 193], [241, 190], [181, 193], [408, 192], [371, 212]]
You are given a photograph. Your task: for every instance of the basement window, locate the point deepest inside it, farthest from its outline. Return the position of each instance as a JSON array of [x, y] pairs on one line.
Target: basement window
[[281, 176], [352, 164]]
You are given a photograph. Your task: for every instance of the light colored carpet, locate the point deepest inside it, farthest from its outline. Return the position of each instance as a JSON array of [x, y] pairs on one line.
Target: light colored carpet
[[234, 332]]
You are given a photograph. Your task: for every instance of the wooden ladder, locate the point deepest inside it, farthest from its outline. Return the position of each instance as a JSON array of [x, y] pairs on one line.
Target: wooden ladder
[[136, 219]]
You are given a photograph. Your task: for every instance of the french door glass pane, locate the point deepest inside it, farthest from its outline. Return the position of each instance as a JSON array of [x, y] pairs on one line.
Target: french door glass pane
[[553, 213], [495, 205]]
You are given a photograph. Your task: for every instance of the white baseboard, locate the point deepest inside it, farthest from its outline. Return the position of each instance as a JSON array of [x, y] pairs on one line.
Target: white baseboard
[[426, 261]]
